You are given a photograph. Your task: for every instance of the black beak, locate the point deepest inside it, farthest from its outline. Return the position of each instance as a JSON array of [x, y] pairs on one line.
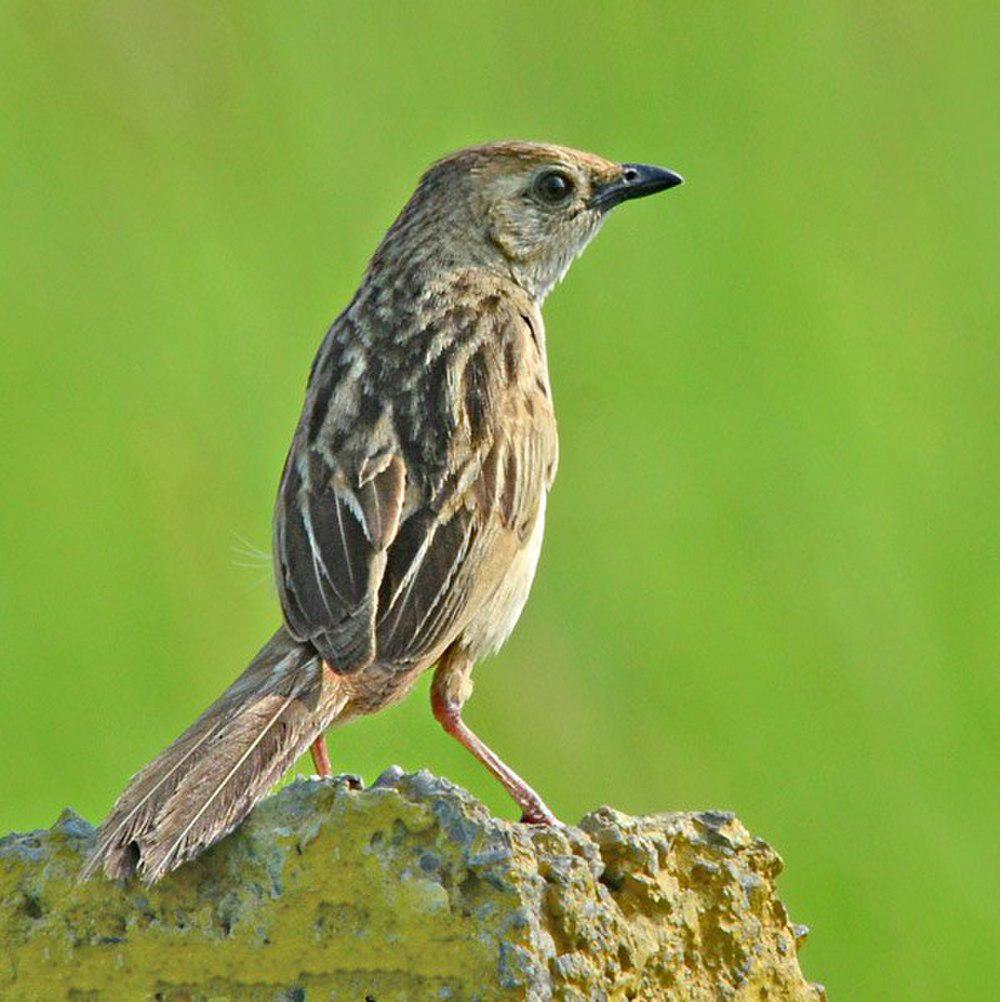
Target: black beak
[[636, 180]]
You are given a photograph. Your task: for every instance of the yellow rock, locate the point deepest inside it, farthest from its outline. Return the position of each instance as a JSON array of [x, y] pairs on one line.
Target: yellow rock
[[407, 890]]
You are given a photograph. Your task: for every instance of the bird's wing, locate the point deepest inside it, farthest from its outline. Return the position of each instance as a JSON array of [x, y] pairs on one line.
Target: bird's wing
[[339, 504], [407, 494], [453, 553], [332, 529], [445, 564]]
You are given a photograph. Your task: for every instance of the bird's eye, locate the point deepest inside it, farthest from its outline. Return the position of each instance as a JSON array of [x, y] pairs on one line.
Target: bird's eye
[[554, 187]]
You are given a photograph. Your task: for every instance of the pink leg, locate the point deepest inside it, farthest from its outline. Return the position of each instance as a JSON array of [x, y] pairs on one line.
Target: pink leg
[[448, 713], [321, 756]]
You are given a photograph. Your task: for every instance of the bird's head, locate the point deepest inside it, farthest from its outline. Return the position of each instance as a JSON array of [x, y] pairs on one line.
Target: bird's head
[[526, 209]]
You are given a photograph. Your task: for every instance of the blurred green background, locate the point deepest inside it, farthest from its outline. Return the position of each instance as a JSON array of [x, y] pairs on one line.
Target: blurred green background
[[770, 581]]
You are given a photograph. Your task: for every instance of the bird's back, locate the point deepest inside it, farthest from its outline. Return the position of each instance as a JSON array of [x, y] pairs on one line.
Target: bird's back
[[416, 479]]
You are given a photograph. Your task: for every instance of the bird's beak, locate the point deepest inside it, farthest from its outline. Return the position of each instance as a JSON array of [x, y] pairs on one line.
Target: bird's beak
[[635, 181]]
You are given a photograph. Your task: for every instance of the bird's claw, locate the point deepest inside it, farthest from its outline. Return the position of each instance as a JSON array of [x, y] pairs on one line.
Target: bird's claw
[[540, 815]]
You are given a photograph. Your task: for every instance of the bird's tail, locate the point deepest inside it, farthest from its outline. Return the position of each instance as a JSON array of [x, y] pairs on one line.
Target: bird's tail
[[208, 780]]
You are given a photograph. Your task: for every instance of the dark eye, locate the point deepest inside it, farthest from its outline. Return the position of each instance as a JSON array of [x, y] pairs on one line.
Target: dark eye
[[554, 186]]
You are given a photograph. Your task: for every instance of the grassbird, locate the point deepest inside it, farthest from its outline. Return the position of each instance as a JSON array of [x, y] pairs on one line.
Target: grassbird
[[410, 513]]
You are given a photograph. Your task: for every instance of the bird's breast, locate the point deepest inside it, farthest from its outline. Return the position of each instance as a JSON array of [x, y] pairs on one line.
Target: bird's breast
[[489, 628]]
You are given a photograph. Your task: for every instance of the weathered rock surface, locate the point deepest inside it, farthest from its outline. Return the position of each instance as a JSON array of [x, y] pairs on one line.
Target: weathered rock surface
[[408, 890]]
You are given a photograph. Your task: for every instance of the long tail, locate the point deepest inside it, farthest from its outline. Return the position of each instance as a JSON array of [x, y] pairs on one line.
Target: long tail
[[208, 780]]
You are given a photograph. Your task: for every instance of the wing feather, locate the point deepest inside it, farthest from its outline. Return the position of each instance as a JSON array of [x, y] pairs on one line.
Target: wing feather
[[330, 541]]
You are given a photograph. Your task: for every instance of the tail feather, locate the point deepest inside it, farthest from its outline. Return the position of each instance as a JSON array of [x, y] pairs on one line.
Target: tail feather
[[208, 780]]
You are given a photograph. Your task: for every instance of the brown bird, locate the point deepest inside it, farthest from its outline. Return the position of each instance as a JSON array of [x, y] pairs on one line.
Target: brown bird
[[410, 513]]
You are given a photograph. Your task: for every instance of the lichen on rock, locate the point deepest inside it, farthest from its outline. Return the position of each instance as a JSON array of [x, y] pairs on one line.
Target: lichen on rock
[[407, 890]]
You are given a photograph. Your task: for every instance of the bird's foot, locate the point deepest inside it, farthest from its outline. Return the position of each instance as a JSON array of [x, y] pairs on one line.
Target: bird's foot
[[539, 814]]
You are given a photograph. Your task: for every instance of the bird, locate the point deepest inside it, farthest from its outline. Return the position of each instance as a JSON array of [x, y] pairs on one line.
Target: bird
[[411, 509]]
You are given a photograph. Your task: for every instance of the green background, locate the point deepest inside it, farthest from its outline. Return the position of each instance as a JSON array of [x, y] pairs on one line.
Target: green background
[[770, 581]]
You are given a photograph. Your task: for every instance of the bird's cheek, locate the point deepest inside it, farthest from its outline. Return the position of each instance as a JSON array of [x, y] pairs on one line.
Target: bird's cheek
[[507, 231]]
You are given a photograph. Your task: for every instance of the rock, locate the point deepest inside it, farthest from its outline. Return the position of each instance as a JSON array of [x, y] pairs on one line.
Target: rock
[[407, 890]]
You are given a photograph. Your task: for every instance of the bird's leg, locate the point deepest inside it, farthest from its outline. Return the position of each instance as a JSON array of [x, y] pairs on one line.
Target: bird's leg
[[449, 691], [321, 757]]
